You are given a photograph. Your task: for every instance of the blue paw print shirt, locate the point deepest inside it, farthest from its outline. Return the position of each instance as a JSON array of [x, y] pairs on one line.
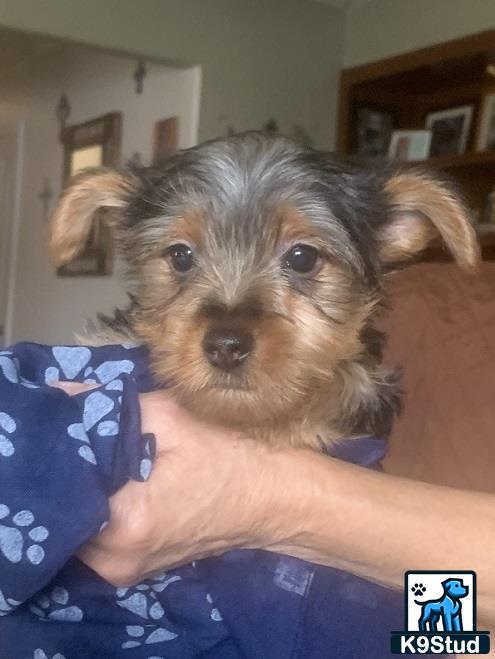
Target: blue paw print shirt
[[62, 457]]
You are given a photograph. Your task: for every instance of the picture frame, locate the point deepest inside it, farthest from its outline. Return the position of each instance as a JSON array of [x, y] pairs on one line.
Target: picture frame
[[410, 145], [94, 143], [165, 139], [450, 130], [485, 139]]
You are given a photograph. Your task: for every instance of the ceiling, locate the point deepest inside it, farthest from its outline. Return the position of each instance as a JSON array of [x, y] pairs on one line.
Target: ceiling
[[18, 49], [341, 4]]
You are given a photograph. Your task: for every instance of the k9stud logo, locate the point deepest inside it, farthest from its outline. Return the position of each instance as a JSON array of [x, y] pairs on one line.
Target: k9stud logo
[[440, 615]]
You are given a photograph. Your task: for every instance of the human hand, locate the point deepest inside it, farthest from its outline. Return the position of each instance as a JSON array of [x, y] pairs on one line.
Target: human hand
[[210, 490], [208, 493]]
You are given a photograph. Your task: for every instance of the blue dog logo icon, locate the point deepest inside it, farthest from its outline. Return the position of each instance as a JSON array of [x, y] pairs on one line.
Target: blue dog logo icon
[[448, 608], [440, 615]]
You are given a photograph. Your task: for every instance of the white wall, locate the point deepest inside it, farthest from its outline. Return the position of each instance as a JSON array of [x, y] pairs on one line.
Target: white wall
[[48, 308], [382, 28], [260, 58]]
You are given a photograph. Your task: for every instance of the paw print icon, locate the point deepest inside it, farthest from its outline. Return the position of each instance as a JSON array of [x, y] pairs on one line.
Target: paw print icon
[[418, 589]]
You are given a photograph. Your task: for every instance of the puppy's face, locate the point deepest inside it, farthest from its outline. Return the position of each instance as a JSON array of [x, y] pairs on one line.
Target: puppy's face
[[247, 315], [256, 265]]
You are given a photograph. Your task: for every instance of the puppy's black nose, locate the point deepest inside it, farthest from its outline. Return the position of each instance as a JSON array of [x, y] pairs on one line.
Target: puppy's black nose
[[227, 348]]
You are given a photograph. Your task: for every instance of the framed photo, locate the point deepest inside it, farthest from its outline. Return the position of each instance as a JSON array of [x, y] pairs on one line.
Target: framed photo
[[410, 145], [165, 139], [372, 133], [450, 130], [91, 144], [486, 125]]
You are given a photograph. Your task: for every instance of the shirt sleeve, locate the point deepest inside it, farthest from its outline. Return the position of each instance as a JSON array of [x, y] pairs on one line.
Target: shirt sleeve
[[61, 458]]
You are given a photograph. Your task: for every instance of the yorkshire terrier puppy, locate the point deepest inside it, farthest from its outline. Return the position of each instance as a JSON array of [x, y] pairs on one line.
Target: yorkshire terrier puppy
[[256, 269]]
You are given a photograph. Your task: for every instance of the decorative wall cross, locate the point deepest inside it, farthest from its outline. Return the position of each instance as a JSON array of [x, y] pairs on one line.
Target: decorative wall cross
[[139, 76], [46, 194], [63, 113]]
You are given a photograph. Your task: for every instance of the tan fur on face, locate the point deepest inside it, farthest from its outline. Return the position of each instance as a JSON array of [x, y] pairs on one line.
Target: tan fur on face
[[425, 208], [314, 371], [87, 193], [189, 229], [290, 391], [294, 226], [294, 391]]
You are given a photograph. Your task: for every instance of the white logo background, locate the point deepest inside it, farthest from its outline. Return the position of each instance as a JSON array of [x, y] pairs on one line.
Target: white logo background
[[432, 583]]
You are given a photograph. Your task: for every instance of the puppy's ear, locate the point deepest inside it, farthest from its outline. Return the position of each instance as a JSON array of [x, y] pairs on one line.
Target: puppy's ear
[[86, 194], [420, 210]]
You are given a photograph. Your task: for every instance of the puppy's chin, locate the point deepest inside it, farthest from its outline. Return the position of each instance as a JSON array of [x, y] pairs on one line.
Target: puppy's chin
[[232, 405], [264, 415]]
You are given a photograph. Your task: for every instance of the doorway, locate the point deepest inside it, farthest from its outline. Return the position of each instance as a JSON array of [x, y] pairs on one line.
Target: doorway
[[11, 138]]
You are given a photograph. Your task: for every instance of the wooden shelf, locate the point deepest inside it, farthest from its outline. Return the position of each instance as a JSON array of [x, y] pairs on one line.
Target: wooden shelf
[[411, 86], [471, 159], [486, 236]]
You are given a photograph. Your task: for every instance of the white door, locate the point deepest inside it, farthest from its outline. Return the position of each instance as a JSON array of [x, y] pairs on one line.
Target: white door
[[10, 174]]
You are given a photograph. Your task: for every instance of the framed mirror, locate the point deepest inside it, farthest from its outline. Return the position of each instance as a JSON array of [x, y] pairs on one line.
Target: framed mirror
[[95, 143]]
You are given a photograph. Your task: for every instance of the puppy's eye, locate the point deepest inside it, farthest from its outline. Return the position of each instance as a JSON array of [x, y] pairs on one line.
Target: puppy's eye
[[181, 257], [301, 258]]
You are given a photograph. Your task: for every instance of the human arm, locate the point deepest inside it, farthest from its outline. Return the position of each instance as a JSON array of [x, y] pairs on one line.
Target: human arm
[[230, 492]]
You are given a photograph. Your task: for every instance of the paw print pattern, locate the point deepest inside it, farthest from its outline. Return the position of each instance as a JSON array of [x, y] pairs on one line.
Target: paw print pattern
[[7, 604], [72, 361], [142, 601], [146, 463], [139, 635], [215, 614], [77, 431], [7, 427], [108, 371], [54, 605], [418, 589], [8, 367], [41, 654], [96, 406], [20, 539]]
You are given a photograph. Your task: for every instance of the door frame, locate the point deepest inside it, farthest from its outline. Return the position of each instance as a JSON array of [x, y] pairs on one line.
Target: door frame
[[18, 129]]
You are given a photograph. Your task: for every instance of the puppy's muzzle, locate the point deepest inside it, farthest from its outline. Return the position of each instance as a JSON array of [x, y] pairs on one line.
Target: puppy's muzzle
[[226, 348]]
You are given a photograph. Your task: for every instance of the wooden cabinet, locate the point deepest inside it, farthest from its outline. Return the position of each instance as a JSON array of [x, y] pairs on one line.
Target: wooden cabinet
[[410, 86]]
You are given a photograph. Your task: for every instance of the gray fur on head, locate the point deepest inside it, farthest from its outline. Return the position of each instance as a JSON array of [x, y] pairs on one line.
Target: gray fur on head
[[240, 206]]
